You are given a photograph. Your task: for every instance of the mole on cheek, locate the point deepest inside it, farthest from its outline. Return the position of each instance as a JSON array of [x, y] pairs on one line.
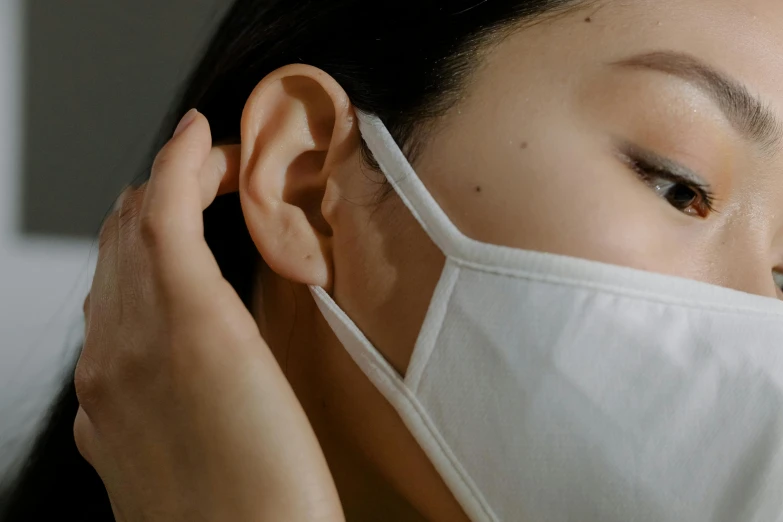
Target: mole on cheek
[[523, 145], [478, 189], [589, 18]]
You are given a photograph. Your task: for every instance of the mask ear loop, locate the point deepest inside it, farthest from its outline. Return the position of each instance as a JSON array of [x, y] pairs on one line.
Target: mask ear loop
[[409, 188], [467, 252], [406, 183]]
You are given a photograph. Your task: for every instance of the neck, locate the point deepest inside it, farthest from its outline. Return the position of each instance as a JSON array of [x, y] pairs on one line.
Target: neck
[[341, 404]]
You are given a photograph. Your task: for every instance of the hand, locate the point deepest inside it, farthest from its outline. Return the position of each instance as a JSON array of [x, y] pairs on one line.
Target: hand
[[185, 413]]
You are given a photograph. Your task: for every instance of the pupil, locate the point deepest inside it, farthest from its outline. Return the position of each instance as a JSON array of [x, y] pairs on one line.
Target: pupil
[[681, 196]]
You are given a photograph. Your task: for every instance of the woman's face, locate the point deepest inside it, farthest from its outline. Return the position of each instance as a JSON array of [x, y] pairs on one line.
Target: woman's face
[[642, 133]]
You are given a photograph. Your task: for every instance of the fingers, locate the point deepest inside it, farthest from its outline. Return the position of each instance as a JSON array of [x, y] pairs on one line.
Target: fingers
[[173, 200], [166, 214], [187, 176], [177, 193], [220, 173], [217, 176]]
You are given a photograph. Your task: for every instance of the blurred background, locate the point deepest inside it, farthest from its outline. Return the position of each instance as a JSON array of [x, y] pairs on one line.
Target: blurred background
[[84, 85]]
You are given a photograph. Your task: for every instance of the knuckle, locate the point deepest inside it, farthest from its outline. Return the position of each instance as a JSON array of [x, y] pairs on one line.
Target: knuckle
[[89, 384], [83, 435], [151, 230], [122, 372]]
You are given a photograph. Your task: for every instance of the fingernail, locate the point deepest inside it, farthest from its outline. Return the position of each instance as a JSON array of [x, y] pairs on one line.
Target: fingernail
[[186, 120]]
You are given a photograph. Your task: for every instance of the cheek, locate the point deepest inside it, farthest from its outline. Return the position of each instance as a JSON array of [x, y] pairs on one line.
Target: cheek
[[386, 270], [563, 194]]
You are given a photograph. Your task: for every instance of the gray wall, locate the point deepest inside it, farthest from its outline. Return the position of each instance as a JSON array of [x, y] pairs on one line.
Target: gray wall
[[99, 75]]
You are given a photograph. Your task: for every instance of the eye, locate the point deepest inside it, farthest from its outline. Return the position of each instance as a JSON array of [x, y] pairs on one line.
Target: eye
[[686, 195], [685, 198], [682, 189], [777, 275]]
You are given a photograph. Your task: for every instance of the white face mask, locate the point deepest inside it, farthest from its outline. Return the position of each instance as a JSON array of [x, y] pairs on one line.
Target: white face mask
[[548, 388]]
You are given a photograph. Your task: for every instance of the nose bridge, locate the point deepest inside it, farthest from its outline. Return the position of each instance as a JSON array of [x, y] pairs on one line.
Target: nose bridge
[[746, 255]]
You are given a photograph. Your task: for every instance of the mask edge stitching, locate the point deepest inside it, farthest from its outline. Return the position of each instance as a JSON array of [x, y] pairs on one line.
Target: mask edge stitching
[[622, 292]]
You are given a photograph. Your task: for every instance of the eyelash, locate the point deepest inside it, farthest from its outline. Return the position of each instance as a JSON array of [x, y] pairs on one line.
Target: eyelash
[[649, 172]]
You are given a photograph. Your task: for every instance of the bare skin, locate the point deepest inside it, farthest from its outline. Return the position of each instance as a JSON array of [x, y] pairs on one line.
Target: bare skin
[[533, 164]]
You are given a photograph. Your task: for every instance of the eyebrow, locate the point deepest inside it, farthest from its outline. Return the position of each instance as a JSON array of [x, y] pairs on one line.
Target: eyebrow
[[746, 113]]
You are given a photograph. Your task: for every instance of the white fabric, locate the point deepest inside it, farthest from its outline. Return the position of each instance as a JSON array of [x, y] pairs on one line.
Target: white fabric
[[548, 388]]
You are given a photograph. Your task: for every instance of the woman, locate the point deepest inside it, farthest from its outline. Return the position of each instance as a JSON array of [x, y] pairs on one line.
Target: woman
[[631, 134]]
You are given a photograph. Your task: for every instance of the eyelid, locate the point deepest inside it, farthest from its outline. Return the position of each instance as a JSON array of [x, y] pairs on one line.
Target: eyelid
[[645, 161], [665, 165]]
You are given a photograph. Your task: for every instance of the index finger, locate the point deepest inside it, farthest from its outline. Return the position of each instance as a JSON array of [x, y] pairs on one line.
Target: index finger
[[220, 173], [187, 176]]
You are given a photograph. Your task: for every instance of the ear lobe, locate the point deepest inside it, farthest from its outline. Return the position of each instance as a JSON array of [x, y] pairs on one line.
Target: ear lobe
[[296, 128]]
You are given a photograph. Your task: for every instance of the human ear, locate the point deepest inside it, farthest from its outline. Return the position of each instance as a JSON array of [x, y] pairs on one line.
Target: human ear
[[297, 128]]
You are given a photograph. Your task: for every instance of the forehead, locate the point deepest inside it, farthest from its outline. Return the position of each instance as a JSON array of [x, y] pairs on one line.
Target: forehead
[[734, 31], [743, 38]]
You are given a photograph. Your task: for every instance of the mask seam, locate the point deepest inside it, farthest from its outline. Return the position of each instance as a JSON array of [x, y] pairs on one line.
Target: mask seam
[[395, 381], [388, 381], [443, 294], [622, 292]]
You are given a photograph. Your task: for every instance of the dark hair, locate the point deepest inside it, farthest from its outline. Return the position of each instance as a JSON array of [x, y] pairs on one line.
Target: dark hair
[[403, 60]]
